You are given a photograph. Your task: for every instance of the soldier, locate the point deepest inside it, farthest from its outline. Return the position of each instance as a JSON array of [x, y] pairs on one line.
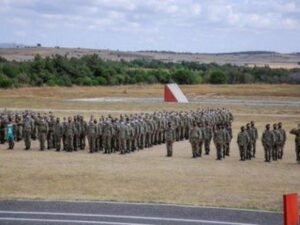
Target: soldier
[[77, 132], [242, 141], [10, 133], [123, 133], [142, 134], [296, 132], [19, 128], [99, 138], [27, 130], [42, 132], [50, 135], [2, 130], [227, 139], [170, 137], [69, 133], [91, 135], [201, 139], [64, 125], [58, 133], [130, 136], [282, 141], [208, 132], [219, 141], [268, 140], [278, 138], [250, 141], [194, 137], [107, 135], [254, 135], [83, 130]]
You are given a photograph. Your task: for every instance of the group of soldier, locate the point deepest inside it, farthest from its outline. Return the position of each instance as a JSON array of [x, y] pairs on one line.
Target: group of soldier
[[273, 141], [124, 134], [129, 133]]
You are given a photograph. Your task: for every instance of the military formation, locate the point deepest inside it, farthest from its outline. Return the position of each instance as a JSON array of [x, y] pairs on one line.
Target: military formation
[[129, 133]]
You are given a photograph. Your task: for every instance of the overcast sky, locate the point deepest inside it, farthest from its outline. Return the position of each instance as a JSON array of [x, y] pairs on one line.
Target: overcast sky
[[175, 25]]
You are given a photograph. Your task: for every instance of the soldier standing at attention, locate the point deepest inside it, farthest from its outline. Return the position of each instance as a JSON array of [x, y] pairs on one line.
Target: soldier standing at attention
[[296, 132], [282, 141], [50, 134], [69, 134], [76, 133], [249, 144], [201, 139], [219, 141], [227, 140], [10, 131], [27, 130], [83, 128], [268, 140], [170, 137], [277, 136], [207, 137], [42, 132], [242, 140], [194, 136], [255, 137], [91, 135], [64, 125], [58, 133]]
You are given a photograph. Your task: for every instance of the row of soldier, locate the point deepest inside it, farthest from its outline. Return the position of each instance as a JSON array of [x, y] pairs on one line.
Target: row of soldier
[[124, 134], [273, 141]]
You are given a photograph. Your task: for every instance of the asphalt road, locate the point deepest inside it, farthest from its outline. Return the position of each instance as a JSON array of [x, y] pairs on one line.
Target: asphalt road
[[113, 213]]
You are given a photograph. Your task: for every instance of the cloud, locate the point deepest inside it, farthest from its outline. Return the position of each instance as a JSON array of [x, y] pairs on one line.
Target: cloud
[[136, 19]]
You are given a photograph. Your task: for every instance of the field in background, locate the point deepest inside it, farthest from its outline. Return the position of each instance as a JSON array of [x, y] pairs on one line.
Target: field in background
[[148, 176], [271, 59]]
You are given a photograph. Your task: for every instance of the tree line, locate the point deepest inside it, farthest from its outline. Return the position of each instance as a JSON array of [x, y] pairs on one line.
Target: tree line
[[90, 70]]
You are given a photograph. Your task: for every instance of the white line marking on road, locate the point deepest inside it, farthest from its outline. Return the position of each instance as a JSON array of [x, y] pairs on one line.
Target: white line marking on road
[[69, 221], [124, 217]]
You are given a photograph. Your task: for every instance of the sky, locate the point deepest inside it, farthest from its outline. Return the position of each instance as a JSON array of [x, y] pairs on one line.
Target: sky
[[205, 26]]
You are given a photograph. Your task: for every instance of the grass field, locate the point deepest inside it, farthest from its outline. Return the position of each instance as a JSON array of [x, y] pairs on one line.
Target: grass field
[[148, 176]]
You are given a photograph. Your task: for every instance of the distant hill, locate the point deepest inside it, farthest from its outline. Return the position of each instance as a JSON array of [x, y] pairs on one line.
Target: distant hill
[[13, 45], [246, 58]]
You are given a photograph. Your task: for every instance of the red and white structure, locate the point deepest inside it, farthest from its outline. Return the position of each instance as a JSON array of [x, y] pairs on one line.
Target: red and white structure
[[174, 94]]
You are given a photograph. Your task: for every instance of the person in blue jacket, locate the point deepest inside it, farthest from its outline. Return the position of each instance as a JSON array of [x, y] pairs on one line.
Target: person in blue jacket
[[10, 131]]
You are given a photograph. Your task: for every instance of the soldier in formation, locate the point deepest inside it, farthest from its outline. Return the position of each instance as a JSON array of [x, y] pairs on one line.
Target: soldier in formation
[[273, 142], [296, 132], [130, 133]]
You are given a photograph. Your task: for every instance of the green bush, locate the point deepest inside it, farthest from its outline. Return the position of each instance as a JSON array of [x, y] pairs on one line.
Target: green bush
[[218, 77], [5, 82]]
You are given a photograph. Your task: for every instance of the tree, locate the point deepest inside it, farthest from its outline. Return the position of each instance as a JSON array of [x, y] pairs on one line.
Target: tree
[[218, 77]]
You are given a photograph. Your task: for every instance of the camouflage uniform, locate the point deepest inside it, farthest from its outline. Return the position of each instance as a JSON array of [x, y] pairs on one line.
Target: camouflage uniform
[[83, 131], [58, 133], [27, 130], [194, 137], [282, 141], [50, 134], [278, 138], [268, 140], [69, 133], [219, 142], [91, 135], [242, 141], [42, 133], [170, 137], [254, 135], [296, 132], [207, 138]]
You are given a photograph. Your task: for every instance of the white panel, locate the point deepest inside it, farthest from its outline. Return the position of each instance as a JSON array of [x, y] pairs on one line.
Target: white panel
[[177, 93]]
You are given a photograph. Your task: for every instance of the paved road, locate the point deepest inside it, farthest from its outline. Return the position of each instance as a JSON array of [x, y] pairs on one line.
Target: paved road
[[44, 212]]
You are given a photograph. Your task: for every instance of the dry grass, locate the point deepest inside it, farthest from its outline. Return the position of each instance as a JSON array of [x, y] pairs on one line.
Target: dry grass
[[148, 176]]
